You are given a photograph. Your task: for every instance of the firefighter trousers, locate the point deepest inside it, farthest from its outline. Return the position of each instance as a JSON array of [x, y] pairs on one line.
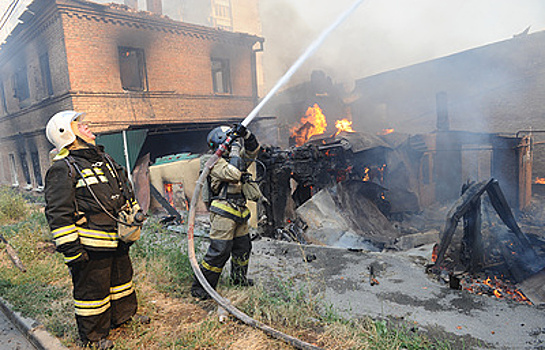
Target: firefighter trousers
[[228, 239], [104, 295]]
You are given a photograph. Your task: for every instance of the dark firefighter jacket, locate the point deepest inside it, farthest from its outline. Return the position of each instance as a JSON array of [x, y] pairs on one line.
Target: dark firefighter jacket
[[232, 204], [76, 220]]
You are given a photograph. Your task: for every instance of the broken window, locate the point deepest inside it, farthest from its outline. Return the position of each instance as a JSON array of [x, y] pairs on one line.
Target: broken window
[[20, 83], [36, 168], [47, 83], [3, 101], [24, 166], [132, 69], [13, 169], [220, 76]]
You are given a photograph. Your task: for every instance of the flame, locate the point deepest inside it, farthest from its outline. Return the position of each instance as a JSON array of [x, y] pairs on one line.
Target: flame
[[540, 180], [434, 253], [386, 131], [497, 287], [313, 123], [374, 173], [343, 125], [366, 176], [169, 192]]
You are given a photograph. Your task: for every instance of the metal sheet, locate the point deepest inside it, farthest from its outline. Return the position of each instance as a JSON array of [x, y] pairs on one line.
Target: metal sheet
[[113, 145]]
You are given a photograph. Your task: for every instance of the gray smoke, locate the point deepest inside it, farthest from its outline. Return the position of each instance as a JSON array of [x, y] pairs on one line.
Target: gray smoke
[[386, 34]]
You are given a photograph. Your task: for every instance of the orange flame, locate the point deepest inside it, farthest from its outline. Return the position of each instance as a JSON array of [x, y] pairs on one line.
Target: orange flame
[[540, 180], [169, 192], [497, 287], [366, 176], [386, 131], [434, 253], [313, 123], [343, 125]]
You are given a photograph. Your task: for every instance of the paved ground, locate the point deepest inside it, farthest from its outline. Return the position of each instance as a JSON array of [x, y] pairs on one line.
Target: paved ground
[[10, 337], [404, 292]]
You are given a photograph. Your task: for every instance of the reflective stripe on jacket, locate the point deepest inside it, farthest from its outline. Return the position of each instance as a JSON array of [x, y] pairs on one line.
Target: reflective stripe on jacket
[[228, 174], [76, 220]]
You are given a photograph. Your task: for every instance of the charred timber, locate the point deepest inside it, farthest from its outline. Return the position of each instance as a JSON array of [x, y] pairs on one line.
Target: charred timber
[[468, 207]]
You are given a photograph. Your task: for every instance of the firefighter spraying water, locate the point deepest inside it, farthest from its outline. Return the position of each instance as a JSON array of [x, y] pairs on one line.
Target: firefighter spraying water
[[237, 132]]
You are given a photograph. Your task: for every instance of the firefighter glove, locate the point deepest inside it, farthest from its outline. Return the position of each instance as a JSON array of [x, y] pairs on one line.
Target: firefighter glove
[[250, 143], [239, 130]]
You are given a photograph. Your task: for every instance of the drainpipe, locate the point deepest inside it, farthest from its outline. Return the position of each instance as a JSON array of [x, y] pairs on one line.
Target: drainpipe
[[126, 152]]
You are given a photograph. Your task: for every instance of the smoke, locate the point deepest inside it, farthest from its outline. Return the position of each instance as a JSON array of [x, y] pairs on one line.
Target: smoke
[[386, 34]]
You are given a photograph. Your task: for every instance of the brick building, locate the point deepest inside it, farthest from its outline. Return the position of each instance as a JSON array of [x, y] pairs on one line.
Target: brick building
[[493, 88], [127, 70], [477, 104]]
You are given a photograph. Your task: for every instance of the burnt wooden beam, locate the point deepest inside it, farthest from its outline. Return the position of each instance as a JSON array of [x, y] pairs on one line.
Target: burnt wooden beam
[[471, 254], [165, 204], [460, 207], [504, 211]]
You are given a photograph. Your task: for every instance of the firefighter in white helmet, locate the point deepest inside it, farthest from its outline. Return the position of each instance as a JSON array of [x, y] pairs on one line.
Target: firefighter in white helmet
[[229, 232], [85, 190]]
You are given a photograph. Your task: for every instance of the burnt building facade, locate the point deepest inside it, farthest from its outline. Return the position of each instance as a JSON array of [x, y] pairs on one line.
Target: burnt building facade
[[127, 70]]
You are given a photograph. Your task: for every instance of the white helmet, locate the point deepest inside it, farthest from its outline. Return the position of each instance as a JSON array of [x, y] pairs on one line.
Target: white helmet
[[58, 129]]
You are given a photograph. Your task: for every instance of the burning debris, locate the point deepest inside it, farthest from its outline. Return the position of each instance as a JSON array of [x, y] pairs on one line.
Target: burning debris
[[314, 123], [323, 169], [490, 261]]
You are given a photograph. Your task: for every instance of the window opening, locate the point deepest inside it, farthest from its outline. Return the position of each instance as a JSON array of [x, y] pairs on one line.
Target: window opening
[[132, 69], [34, 156], [221, 14], [46, 73], [26, 172], [220, 76], [13, 169], [22, 92]]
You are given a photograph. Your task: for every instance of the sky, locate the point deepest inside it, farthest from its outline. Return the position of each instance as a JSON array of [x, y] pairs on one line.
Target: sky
[[379, 36], [382, 35]]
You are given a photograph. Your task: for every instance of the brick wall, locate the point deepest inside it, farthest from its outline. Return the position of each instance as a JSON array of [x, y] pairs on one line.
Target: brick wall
[[178, 70], [82, 41], [22, 126]]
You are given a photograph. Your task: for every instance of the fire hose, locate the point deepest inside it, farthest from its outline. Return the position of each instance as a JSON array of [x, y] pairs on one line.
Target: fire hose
[[226, 304]]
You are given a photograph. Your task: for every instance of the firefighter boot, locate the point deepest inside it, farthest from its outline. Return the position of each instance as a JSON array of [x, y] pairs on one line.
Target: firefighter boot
[[197, 290], [240, 259], [238, 275], [211, 266], [102, 344]]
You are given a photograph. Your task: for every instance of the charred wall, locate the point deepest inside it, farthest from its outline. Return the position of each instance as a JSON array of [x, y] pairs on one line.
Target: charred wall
[[177, 69], [23, 146], [77, 47]]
